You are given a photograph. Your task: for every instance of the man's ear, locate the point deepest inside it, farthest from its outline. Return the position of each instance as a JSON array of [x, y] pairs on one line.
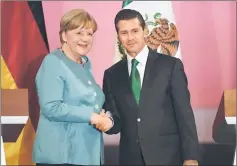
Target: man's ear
[[146, 31]]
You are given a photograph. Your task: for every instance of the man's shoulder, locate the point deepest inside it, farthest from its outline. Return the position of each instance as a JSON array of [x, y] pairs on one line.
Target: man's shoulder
[[116, 67], [166, 59]]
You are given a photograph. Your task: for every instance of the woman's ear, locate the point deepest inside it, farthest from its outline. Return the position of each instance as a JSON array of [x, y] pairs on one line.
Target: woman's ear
[[64, 36]]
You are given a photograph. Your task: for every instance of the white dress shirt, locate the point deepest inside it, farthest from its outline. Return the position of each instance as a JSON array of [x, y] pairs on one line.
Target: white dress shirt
[[141, 58]]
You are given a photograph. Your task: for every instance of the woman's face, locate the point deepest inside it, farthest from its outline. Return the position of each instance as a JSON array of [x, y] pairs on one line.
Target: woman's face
[[79, 40]]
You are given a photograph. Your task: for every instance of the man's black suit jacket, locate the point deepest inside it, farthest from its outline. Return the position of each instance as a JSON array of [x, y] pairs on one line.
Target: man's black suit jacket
[[162, 124]]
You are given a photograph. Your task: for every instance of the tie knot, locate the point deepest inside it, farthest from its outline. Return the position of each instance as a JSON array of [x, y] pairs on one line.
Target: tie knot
[[134, 63]]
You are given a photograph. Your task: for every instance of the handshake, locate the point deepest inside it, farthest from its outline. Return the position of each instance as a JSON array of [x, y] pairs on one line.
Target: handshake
[[102, 121]]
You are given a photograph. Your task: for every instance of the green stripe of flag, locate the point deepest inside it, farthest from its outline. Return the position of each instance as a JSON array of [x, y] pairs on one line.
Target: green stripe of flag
[[126, 2]]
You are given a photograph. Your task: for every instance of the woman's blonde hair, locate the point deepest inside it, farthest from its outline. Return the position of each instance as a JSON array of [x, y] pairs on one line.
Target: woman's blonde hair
[[74, 19]]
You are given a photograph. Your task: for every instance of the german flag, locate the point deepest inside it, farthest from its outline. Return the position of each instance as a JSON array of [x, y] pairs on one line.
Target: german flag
[[23, 46]]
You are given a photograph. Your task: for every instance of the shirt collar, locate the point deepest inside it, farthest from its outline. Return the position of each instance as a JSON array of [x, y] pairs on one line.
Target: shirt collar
[[141, 57], [84, 60]]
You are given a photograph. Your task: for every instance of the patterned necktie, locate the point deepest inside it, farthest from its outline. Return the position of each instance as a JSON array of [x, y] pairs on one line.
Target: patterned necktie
[[135, 80]]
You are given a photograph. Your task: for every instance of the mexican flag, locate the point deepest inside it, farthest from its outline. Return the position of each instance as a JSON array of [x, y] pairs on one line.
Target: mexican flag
[[161, 29]]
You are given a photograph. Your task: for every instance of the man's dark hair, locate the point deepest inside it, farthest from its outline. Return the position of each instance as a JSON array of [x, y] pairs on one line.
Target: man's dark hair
[[127, 14]]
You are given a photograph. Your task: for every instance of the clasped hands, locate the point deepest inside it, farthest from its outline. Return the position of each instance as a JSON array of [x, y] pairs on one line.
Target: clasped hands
[[101, 121]]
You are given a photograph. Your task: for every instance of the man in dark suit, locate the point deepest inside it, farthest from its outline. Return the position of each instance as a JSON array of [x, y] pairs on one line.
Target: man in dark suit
[[149, 101]]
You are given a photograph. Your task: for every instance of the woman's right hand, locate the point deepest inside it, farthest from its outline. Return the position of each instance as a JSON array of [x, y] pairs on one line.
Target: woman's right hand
[[101, 121], [95, 118]]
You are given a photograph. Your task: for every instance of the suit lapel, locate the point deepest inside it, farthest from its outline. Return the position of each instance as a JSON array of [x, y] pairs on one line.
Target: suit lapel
[[151, 70], [126, 84]]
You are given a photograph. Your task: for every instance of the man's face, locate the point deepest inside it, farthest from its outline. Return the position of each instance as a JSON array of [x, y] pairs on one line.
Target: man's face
[[131, 35]]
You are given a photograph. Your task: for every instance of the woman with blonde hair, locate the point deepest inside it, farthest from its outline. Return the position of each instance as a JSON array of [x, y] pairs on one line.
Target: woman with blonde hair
[[70, 99]]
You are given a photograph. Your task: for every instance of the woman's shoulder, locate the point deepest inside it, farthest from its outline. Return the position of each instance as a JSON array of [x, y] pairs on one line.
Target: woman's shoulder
[[50, 65], [52, 57]]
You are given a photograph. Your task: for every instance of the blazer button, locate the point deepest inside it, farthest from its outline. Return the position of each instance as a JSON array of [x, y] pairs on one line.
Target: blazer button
[[89, 82], [96, 106], [138, 120], [137, 141], [95, 94]]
